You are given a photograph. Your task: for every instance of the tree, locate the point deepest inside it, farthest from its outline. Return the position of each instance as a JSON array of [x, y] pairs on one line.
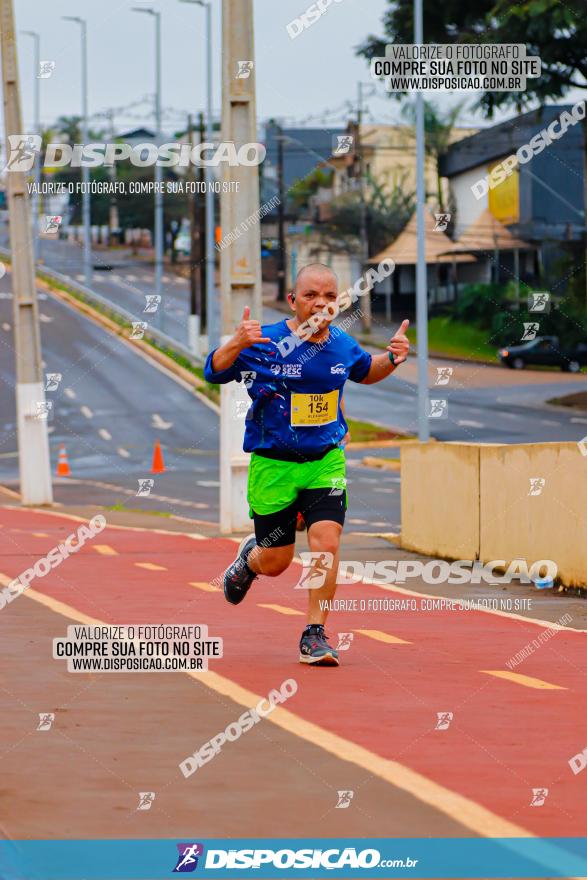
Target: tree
[[438, 127], [388, 211], [555, 31]]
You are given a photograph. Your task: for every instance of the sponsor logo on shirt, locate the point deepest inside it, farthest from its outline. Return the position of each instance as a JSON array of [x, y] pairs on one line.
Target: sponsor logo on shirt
[[291, 370], [338, 370]]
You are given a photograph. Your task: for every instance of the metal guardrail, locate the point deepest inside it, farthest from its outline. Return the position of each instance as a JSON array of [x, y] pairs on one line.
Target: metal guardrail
[[95, 298]]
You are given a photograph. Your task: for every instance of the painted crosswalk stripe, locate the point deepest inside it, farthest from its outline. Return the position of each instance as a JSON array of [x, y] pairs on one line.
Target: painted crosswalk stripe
[[525, 680], [124, 453], [379, 636], [281, 609], [104, 434], [203, 585], [105, 550], [69, 392], [150, 566], [87, 412]]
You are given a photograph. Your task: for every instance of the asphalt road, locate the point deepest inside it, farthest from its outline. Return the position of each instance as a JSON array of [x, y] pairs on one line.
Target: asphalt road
[[494, 411]]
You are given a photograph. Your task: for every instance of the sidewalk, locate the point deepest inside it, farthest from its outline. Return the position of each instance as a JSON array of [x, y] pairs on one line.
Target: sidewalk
[[376, 734]]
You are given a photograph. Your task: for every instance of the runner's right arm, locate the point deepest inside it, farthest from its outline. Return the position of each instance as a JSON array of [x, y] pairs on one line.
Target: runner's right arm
[[246, 334]]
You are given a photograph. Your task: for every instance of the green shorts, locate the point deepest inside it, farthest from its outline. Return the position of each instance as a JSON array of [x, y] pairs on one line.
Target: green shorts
[[275, 484]]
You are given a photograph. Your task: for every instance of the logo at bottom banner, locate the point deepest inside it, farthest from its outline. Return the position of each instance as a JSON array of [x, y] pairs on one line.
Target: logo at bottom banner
[[187, 860], [232, 859]]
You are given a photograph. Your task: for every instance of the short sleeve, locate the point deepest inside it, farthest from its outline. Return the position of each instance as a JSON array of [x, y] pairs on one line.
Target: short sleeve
[[361, 363], [223, 376]]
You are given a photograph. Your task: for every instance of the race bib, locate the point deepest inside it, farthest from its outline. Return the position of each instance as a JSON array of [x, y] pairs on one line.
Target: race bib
[[314, 409]]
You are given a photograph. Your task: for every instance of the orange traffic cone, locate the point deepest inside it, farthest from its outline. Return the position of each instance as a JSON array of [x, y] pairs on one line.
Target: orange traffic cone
[[158, 466], [62, 463]]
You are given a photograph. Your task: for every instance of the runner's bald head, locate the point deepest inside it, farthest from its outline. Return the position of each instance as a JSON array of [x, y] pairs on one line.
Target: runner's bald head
[[313, 271]]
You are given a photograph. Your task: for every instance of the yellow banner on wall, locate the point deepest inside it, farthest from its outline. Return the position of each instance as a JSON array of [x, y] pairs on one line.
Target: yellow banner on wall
[[504, 199]]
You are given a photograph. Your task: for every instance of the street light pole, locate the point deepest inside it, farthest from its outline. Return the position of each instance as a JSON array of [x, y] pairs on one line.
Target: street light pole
[[31, 406], [212, 305], [421, 280], [85, 168], [158, 169], [37, 120]]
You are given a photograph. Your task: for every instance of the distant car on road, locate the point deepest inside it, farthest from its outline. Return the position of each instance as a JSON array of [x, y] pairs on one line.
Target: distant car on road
[[545, 351]]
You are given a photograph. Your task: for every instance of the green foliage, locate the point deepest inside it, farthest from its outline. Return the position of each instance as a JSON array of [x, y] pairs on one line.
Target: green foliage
[[554, 30], [302, 189], [492, 308], [388, 211]]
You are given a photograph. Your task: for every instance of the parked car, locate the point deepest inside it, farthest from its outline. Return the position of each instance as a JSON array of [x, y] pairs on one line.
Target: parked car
[[547, 351]]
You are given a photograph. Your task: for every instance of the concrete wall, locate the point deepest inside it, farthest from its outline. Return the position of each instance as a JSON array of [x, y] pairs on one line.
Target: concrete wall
[[440, 499], [468, 501]]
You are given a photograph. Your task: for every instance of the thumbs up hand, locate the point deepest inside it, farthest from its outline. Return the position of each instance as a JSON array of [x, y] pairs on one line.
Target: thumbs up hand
[[399, 344]]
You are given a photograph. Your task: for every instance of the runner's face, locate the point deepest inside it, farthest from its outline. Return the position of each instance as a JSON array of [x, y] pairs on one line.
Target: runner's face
[[315, 291]]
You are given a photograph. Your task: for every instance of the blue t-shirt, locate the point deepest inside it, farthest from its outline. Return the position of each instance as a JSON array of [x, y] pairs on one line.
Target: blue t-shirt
[[271, 377]]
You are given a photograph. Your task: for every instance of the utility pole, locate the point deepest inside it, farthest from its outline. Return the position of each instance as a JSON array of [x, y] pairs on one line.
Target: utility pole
[[280, 219], [85, 138], [33, 441], [421, 279], [240, 264], [158, 200], [366, 302], [113, 219], [212, 303], [202, 214], [37, 114], [195, 316]]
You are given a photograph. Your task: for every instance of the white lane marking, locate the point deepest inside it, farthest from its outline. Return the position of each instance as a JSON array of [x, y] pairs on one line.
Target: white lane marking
[[116, 278], [50, 429], [5, 295], [358, 522], [124, 453], [383, 490], [165, 279], [45, 319], [87, 412], [212, 484], [131, 277], [80, 277], [158, 422], [552, 424], [179, 280], [466, 423], [6, 326], [69, 392], [104, 434], [99, 278], [579, 421]]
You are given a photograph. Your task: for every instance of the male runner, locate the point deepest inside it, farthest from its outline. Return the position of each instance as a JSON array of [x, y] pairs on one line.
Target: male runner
[[294, 430]]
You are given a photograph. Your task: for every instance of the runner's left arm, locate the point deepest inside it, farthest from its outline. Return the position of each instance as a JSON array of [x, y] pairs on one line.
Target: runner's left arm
[[381, 365]]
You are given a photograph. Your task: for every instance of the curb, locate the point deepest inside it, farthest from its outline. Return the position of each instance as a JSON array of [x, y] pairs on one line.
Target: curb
[[382, 464]]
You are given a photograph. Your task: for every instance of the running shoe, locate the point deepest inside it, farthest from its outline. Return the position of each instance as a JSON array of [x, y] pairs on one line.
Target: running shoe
[[238, 577], [314, 648]]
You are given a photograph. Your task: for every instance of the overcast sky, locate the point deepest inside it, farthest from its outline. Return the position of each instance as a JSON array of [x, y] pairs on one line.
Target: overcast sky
[[312, 75]]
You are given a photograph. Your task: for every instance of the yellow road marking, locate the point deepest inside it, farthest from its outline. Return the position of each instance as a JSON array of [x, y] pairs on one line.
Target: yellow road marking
[[203, 585], [150, 566], [458, 807], [526, 680], [105, 550], [281, 609], [382, 637]]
